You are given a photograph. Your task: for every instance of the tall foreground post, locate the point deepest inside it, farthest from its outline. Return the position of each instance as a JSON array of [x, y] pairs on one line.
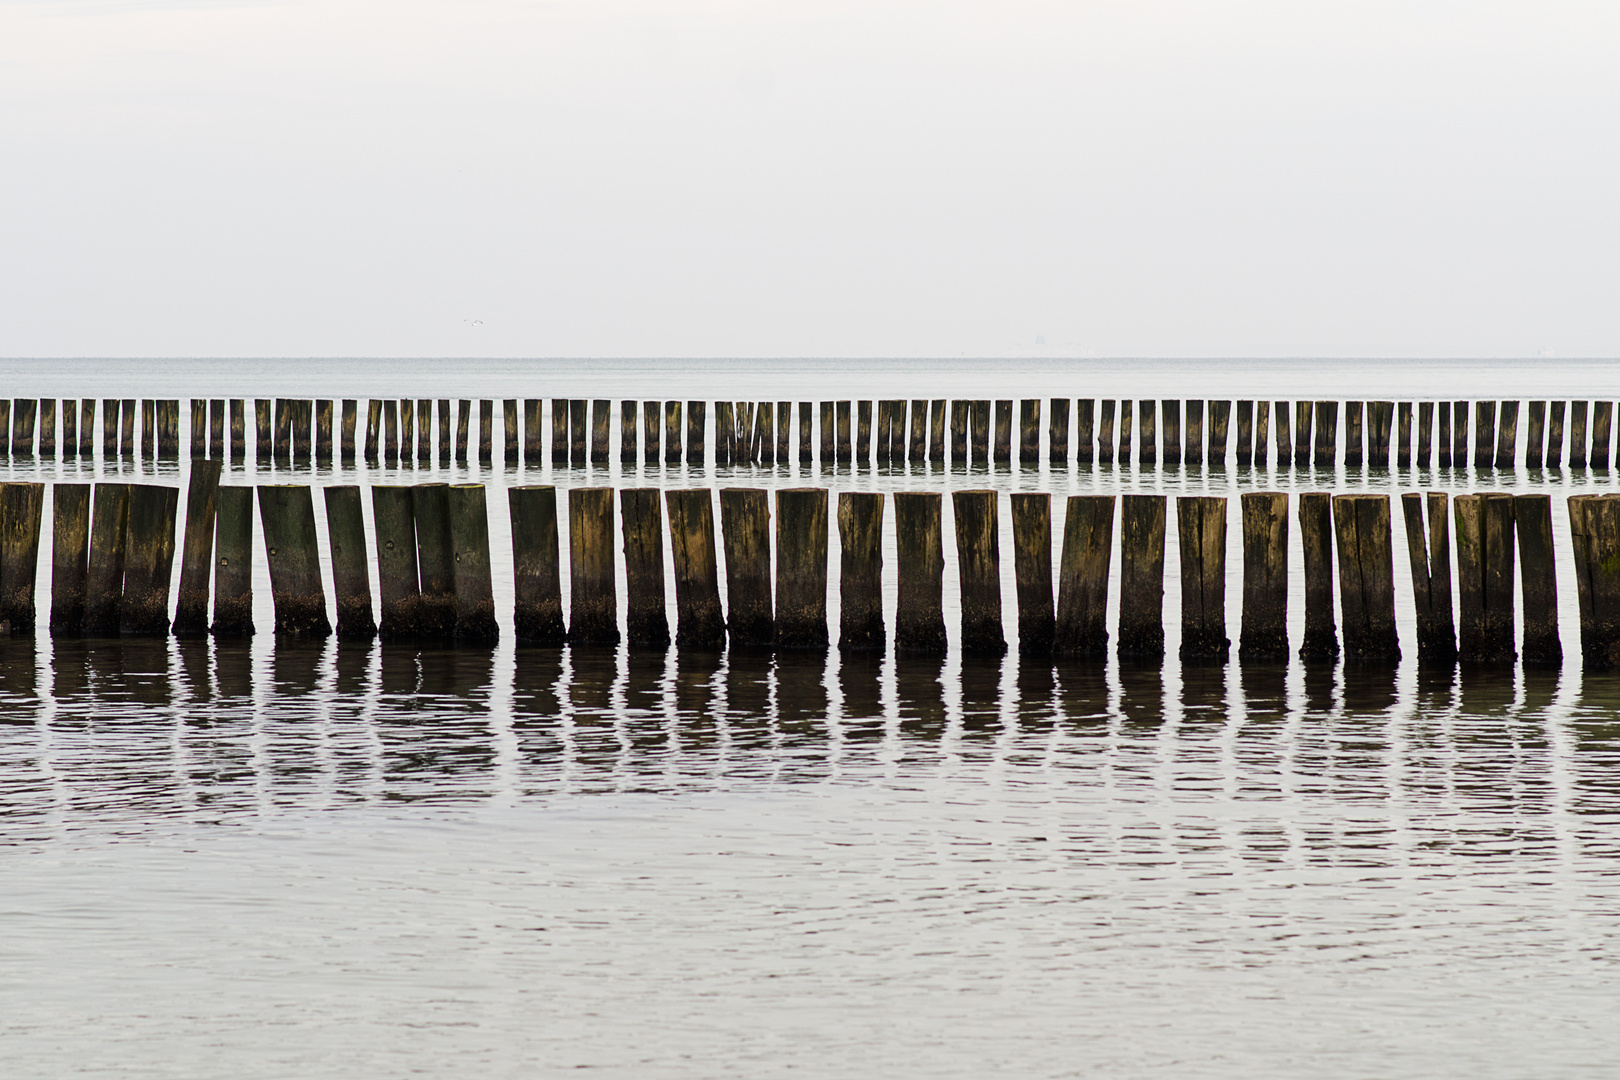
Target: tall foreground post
[[351, 579], [978, 563], [801, 568], [919, 621], [745, 522], [1201, 531], [1032, 571], [642, 519], [399, 586], [860, 581], [21, 505], [698, 622], [233, 563], [1320, 641], [287, 518], [1141, 577], [1366, 577], [1532, 516], [1428, 548], [70, 557], [537, 617], [1484, 578], [1081, 627], [197, 554], [474, 586], [148, 559], [1264, 635], [593, 618]]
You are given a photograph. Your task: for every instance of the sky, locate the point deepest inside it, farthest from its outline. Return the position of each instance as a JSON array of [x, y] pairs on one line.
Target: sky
[[590, 178]]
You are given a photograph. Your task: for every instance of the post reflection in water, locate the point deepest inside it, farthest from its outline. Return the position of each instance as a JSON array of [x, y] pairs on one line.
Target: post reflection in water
[[160, 726]]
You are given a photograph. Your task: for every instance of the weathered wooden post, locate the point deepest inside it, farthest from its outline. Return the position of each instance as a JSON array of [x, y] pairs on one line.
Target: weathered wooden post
[[651, 433], [282, 445], [645, 623], [1171, 440], [233, 563], [463, 430], [1262, 421], [784, 431], [399, 585], [1146, 437], [764, 419], [1403, 430], [374, 423], [1285, 439], [1141, 577], [47, 427], [1425, 433], [1105, 437], [745, 523], [238, 424], [559, 431], [1245, 432], [601, 425], [919, 618], [1264, 635], [22, 427], [351, 581], [1379, 417], [1201, 532], [303, 415], [87, 428], [486, 431], [593, 607], [936, 431], [199, 427], [1594, 532], [883, 437], [860, 580], [1001, 451], [474, 587], [168, 413], [1577, 434], [1220, 414], [979, 436], [801, 568], [1484, 577], [961, 420], [1507, 434], [70, 557], [1602, 417], [1459, 434], [1193, 448], [1085, 436], [537, 617], [109, 426], [534, 434], [627, 433], [843, 447], [1429, 551], [148, 560], [1555, 434], [1366, 577], [863, 431], [435, 562], [197, 551], [917, 443], [806, 443], [104, 582], [1057, 432], [696, 417], [1536, 435], [978, 562], [829, 434], [1029, 430], [1532, 517], [698, 622], [1327, 434], [21, 505], [444, 429], [1081, 627], [323, 431], [672, 433], [70, 428], [1443, 439], [579, 431], [1484, 436], [1321, 640], [287, 517], [512, 451], [726, 450], [1032, 571]]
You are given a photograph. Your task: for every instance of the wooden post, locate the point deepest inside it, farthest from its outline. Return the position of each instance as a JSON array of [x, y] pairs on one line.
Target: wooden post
[[537, 617], [1032, 571], [745, 523], [1170, 414], [1245, 432], [474, 587], [1536, 436], [1366, 577], [559, 431], [21, 505], [696, 414], [1484, 577], [829, 433], [601, 424], [197, 551], [579, 432], [1532, 517], [87, 428], [1443, 440], [238, 424], [513, 449], [919, 618], [1602, 416], [104, 581], [435, 562], [1029, 430], [1081, 627], [486, 431], [109, 426], [1201, 533], [303, 415], [672, 433], [978, 562], [323, 431], [844, 453], [1555, 434], [1425, 433], [168, 429], [1264, 635], [463, 429], [801, 568], [593, 617], [784, 430], [651, 433], [627, 433], [445, 445], [1001, 451], [533, 432], [917, 443], [47, 427], [1484, 435], [1507, 434], [884, 437], [860, 580], [1262, 420], [1577, 435], [1057, 432], [287, 518], [1459, 434], [765, 419], [1085, 441], [399, 586], [645, 623], [1403, 429], [1141, 577], [960, 422], [392, 432], [283, 431], [233, 563], [1123, 455], [1220, 413], [1380, 414], [199, 427], [70, 428], [351, 581], [70, 557], [1327, 434], [726, 450], [22, 429], [698, 623], [1146, 451], [263, 431], [863, 431], [1594, 532], [936, 431], [1285, 440], [806, 448], [980, 434], [1193, 448], [1320, 641], [148, 560], [1429, 551]]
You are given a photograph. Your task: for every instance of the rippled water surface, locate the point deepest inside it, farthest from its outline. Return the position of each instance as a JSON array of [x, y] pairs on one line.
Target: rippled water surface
[[270, 860]]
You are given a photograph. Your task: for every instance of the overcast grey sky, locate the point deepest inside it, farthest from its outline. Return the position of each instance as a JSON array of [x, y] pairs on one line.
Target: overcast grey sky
[[809, 177]]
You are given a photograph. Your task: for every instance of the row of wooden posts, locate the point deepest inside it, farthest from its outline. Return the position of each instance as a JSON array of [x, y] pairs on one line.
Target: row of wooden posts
[[980, 432], [113, 550]]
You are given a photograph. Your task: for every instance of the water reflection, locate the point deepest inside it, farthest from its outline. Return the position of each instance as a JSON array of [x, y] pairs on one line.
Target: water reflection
[[131, 728]]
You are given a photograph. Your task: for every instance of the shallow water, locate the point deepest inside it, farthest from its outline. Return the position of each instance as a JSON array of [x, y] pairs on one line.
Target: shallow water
[[261, 860]]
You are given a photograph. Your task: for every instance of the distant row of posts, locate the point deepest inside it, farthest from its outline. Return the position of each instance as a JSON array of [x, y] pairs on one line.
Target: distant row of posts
[[403, 432], [113, 548]]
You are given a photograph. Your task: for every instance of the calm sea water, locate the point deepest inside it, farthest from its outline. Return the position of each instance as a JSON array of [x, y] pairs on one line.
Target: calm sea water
[[253, 860]]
